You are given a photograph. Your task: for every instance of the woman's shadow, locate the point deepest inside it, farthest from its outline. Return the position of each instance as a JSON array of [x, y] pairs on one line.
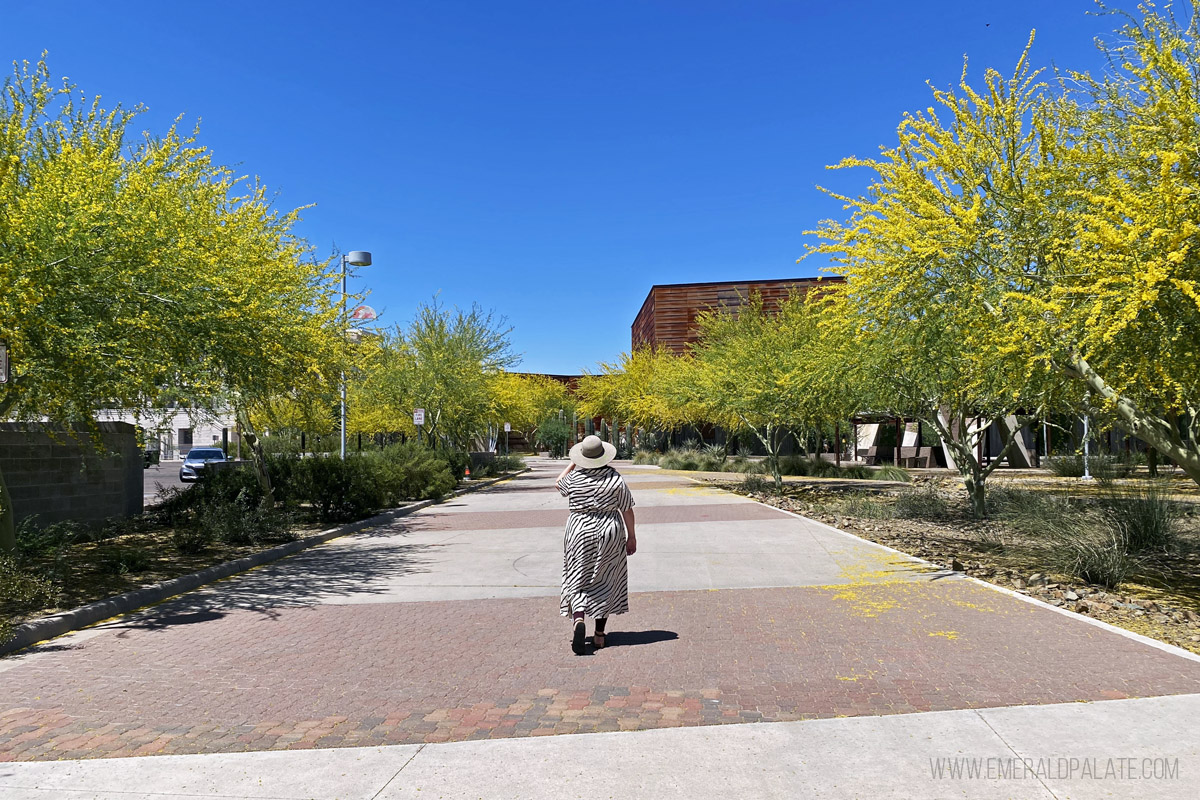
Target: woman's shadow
[[632, 638]]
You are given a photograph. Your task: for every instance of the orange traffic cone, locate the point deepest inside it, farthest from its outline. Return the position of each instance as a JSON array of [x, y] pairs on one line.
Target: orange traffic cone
[[467, 474]]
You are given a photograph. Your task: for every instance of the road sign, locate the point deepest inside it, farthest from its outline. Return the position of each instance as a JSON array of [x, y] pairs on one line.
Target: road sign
[[418, 416], [507, 427], [3, 361], [363, 314]]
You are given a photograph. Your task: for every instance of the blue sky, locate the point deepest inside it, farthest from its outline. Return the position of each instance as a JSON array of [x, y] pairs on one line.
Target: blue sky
[[550, 160]]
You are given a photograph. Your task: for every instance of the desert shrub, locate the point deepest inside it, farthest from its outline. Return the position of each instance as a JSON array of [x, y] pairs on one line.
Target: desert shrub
[[281, 444], [867, 507], [508, 463], [282, 469], [745, 465], [890, 472], [1145, 518], [757, 484], [1106, 468], [923, 503], [191, 537], [34, 539], [21, 590], [553, 435], [457, 460], [123, 560], [794, 465], [1066, 466], [341, 490], [812, 466], [244, 520], [412, 472], [645, 456]]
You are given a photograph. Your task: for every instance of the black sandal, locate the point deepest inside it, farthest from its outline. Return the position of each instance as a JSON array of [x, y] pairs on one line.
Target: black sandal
[[577, 639]]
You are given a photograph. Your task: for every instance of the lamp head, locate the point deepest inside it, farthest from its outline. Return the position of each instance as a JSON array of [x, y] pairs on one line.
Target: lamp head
[[358, 258]]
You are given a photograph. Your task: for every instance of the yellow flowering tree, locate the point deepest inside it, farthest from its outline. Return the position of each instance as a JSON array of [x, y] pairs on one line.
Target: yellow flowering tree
[[1052, 230], [445, 361], [769, 372], [964, 201], [525, 401], [642, 388], [137, 268], [1115, 302]]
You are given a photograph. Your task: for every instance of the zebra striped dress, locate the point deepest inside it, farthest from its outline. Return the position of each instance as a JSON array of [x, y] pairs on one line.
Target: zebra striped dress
[[595, 580]]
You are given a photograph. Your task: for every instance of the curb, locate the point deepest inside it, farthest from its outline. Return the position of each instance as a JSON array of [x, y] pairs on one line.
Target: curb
[[39, 630]]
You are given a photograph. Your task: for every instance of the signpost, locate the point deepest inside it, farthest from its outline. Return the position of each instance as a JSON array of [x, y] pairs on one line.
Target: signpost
[[419, 421], [507, 428], [3, 361]]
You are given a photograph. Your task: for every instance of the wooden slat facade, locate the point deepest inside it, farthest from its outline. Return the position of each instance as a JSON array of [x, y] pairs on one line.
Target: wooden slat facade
[[668, 316]]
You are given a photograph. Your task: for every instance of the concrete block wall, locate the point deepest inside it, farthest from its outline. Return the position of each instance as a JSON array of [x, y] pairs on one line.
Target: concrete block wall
[[63, 473]]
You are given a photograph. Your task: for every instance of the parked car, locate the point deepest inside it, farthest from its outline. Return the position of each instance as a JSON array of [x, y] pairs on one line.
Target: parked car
[[196, 460]]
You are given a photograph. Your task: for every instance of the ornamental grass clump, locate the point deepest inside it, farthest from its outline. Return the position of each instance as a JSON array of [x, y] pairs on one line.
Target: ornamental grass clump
[[1034, 513], [889, 472], [1145, 517], [864, 506], [641, 456], [923, 503], [1096, 554]]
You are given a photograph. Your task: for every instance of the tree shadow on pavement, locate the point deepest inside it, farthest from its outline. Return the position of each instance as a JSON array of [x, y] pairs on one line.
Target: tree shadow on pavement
[[633, 638], [304, 579]]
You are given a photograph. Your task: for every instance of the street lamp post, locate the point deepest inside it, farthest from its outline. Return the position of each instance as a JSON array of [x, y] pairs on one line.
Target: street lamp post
[[355, 258]]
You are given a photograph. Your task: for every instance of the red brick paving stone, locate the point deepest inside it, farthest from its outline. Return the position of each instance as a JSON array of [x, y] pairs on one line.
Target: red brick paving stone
[[342, 676], [557, 518]]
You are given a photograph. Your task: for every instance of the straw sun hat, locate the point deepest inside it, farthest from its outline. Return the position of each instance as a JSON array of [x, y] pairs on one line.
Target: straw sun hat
[[592, 452]]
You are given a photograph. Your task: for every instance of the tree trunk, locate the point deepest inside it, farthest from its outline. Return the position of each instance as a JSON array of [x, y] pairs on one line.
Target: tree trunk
[[259, 460], [1152, 429], [966, 459], [977, 492], [772, 443]]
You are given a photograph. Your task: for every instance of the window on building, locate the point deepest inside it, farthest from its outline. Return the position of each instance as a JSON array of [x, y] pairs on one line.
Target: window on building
[[185, 437]]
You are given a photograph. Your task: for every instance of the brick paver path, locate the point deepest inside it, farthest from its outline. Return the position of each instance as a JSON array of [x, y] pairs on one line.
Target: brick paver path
[[237, 669]]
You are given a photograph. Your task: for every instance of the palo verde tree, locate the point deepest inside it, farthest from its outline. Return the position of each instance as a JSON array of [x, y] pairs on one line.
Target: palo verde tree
[[645, 388], [444, 361], [1113, 300], [525, 401], [1064, 218], [133, 265], [957, 207], [754, 369]]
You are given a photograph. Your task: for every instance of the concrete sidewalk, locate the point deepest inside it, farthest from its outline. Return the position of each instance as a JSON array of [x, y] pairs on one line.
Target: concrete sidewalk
[[1058, 751], [426, 658]]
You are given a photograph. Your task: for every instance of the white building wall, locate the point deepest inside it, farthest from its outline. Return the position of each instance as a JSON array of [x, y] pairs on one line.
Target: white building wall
[[176, 431]]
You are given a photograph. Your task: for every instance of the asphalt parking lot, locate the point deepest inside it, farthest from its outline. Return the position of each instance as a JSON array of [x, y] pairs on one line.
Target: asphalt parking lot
[[164, 474]]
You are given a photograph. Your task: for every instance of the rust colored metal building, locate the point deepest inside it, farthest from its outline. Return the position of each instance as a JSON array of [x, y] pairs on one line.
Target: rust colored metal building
[[668, 316]]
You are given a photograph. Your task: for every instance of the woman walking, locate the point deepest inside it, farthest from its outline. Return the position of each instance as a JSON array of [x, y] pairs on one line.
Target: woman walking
[[599, 536]]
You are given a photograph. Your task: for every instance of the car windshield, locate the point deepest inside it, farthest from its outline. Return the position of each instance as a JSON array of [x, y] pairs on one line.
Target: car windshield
[[196, 455]]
